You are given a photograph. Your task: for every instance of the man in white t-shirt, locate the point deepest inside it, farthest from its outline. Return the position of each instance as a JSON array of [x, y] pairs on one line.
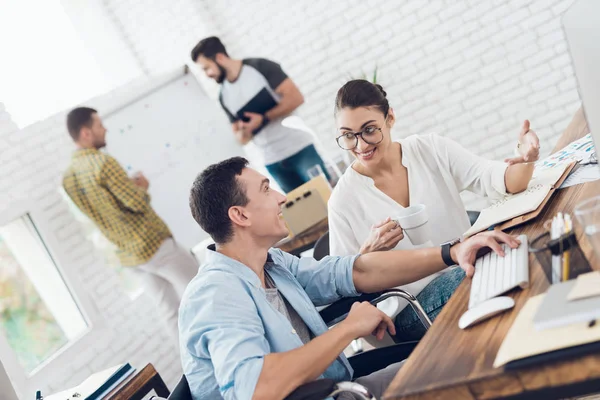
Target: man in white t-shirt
[[256, 94]]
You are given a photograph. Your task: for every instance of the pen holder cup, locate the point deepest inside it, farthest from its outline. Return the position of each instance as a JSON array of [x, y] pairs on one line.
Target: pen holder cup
[[544, 248]]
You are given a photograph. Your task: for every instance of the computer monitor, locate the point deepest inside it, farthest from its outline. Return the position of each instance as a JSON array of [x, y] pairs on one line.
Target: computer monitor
[[582, 29]]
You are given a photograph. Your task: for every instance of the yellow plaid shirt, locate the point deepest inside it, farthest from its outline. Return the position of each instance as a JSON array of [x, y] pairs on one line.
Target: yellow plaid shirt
[[100, 187]]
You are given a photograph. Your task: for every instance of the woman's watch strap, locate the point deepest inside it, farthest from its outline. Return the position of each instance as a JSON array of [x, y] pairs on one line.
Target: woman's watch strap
[[446, 252]]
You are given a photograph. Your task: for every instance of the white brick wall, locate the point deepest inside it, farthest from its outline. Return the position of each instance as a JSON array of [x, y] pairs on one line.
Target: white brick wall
[[465, 69], [160, 33], [471, 70]]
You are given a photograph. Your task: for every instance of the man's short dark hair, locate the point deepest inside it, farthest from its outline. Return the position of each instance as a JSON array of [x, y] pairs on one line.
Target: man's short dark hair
[[77, 119], [209, 48], [213, 193]]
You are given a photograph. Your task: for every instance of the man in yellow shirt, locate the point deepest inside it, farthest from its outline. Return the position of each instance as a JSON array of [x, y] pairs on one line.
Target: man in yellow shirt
[[120, 207]]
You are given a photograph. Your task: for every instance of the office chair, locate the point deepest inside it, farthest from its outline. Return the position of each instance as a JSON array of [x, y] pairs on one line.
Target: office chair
[[321, 248], [315, 390], [181, 391], [473, 215]]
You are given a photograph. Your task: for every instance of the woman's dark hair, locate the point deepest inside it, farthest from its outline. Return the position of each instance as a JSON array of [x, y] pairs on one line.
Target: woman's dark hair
[[362, 93]]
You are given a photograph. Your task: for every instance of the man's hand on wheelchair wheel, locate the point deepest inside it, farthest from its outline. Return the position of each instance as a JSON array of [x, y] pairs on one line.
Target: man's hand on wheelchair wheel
[[365, 319]]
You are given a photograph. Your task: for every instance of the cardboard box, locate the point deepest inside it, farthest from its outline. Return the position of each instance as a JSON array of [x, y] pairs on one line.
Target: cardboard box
[[307, 205]]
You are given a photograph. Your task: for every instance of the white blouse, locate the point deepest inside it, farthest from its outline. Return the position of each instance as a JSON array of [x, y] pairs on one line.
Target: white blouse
[[438, 170]]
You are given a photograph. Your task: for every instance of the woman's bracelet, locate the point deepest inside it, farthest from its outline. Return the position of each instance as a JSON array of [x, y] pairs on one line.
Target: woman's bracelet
[[518, 153]]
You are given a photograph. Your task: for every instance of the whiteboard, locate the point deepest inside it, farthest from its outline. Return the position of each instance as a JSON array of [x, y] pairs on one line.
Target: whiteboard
[[170, 134]]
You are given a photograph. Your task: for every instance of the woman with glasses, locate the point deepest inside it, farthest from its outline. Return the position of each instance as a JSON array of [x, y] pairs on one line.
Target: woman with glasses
[[389, 175]]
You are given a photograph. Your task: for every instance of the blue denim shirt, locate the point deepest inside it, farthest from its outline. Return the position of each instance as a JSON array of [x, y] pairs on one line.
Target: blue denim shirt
[[227, 326]]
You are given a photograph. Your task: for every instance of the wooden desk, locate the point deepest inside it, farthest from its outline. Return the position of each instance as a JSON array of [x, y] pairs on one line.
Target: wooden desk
[[139, 385], [304, 241], [450, 363]]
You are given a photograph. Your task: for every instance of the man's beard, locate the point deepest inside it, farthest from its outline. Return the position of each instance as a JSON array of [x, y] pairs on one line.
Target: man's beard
[[99, 143], [222, 73]]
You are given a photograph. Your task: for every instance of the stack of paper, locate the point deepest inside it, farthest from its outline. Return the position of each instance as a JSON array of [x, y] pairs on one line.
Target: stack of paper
[[587, 285], [578, 150], [581, 151], [583, 174]]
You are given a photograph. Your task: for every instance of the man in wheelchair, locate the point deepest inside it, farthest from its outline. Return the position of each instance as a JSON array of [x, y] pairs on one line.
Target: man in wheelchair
[[248, 324]]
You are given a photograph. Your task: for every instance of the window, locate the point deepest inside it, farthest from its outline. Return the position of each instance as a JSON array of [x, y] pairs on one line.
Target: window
[[131, 285], [38, 315]]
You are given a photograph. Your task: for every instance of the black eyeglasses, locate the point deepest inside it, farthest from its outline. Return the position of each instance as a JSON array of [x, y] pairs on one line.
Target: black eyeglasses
[[370, 135]]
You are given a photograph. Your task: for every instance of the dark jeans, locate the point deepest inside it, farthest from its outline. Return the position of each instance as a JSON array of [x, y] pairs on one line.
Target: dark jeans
[[432, 298], [293, 171]]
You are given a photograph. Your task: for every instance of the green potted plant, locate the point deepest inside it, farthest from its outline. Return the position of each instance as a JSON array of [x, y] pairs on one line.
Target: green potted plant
[[364, 76]]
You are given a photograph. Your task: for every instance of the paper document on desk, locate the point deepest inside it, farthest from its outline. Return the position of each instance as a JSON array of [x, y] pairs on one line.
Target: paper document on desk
[[587, 285], [578, 150], [583, 174], [524, 341]]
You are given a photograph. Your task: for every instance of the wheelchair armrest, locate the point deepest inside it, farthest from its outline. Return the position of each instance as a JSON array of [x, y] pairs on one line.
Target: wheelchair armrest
[[367, 362], [337, 311], [324, 388]]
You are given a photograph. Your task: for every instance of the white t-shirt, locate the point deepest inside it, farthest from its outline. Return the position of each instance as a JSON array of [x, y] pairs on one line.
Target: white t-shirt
[[256, 84], [438, 170]]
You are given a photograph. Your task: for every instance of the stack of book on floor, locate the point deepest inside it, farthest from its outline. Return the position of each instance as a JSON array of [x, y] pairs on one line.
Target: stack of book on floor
[[97, 386]]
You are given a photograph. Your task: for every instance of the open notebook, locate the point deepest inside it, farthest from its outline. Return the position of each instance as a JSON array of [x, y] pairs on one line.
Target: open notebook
[[541, 186]]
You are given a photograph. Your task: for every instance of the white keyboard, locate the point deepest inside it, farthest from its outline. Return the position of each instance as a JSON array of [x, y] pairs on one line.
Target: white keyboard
[[495, 275]]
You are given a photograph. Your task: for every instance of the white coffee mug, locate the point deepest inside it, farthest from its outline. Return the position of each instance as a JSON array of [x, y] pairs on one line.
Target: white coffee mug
[[413, 221]]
